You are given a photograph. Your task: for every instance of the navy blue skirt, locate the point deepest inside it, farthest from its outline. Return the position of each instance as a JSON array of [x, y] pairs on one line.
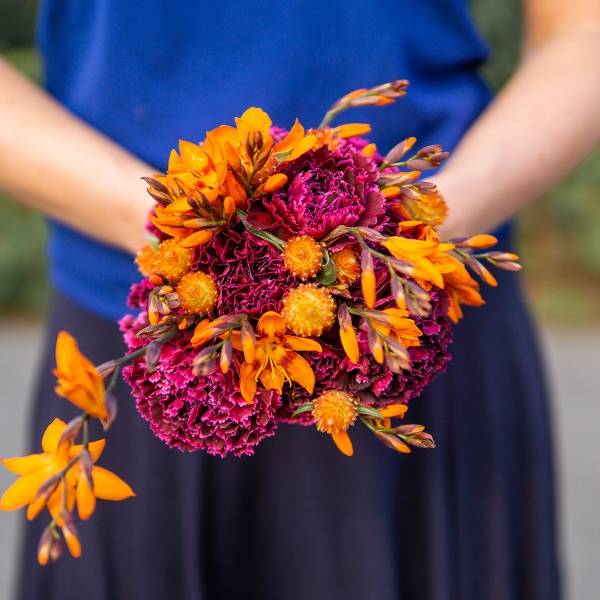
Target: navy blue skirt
[[471, 520]]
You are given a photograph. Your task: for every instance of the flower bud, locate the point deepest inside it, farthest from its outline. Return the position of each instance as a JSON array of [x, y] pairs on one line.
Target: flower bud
[[71, 431], [391, 441], [367, 279], [399, 150]]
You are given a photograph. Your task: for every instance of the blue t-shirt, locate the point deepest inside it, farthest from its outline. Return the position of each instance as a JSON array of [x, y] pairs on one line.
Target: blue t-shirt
[[148, 73]]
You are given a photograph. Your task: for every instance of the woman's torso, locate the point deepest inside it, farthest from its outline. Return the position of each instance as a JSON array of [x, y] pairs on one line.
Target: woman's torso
[[147, 74]]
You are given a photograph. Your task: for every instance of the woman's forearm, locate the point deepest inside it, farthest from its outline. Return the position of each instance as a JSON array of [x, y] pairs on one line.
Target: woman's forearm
[[54, 162], [542, 124]]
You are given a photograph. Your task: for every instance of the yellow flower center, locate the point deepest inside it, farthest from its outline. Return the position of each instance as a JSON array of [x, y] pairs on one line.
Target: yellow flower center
[[334, 411], [348, 265], [302, 256], [197, 293], [172, 260], [308, 310]]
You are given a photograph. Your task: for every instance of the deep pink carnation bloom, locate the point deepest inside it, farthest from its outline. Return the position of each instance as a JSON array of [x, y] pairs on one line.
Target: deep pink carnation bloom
[[196, 413], [325, 189], [249, 272]]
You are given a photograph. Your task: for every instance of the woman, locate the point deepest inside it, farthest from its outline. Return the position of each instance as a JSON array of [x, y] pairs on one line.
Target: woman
[[472, 519]]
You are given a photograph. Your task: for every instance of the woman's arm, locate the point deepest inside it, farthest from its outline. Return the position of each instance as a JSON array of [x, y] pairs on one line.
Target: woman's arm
[[54, 162], [540, 126]]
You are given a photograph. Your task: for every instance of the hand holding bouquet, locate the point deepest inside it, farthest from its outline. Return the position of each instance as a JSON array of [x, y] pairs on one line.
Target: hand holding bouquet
[[290, 276]]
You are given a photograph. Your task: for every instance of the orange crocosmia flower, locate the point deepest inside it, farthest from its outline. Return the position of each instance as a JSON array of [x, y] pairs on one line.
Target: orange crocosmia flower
[[35, 469], [78, 379], [429, 258], [294, 144], [401, 326], [462, 289], [430, 208], [276, 358]]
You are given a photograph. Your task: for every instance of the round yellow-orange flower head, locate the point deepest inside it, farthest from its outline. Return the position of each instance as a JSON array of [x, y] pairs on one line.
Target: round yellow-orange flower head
[[308, 310], [334, 411], [347, 264], [302, 256], [144, 259], [197, 293], [172, 260]]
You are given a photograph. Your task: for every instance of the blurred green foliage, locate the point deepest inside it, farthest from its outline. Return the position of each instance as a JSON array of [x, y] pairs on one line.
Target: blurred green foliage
[[17, 20], [22, 232], [559, 236]]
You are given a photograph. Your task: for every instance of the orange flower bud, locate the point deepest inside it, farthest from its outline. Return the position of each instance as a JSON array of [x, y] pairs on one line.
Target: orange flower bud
[[391, 192], [482, 240], [369, 150], [275, 182], [199, 238], [156, 279], [70, 534], [394, 410], [392, 442], [348, 334], [367, 279], [350, 130], [228, 208]]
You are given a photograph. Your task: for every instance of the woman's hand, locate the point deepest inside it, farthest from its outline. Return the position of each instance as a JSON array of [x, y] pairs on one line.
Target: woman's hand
[[54, 162], [542, 124]]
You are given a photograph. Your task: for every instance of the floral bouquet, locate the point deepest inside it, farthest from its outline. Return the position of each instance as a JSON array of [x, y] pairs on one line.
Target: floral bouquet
[[290, 276]]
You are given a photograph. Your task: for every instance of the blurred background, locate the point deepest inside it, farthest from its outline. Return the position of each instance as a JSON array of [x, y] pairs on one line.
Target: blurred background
[[559, 240]]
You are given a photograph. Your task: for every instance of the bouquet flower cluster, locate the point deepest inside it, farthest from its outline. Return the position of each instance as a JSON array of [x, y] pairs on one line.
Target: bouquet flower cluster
[[290, 276]]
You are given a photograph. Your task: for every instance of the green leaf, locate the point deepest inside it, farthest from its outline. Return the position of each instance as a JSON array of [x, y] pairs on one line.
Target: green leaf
[[328, 273], [263, 235], [369, 412], [303, 408]]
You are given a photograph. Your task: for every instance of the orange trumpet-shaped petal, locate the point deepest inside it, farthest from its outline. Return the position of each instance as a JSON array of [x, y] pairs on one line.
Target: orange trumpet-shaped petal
[[86, 500], [287, 144], [248, 381], [271, 324], [78, 379], [343, 442], [108, 486], [304, 145]]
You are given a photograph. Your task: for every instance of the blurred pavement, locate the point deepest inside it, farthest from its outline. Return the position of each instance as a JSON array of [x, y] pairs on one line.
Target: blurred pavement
[[572, 356]]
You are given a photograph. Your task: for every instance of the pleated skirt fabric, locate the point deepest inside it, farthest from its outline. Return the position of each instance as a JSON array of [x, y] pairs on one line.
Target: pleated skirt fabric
[[473, 519]]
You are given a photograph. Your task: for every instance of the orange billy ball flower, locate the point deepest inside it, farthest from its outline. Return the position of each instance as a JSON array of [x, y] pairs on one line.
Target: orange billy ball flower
[[144, 260], [334, 412], [172, 260], [308, 310], [347, 264], [302, 256], [197, 293]]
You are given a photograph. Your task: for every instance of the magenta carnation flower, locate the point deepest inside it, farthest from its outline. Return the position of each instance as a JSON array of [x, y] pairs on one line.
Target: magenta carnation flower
[[191, 412], [325, 189]]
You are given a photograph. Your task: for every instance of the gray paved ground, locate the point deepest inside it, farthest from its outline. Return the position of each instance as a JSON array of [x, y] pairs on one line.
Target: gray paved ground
[[574, 364]]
